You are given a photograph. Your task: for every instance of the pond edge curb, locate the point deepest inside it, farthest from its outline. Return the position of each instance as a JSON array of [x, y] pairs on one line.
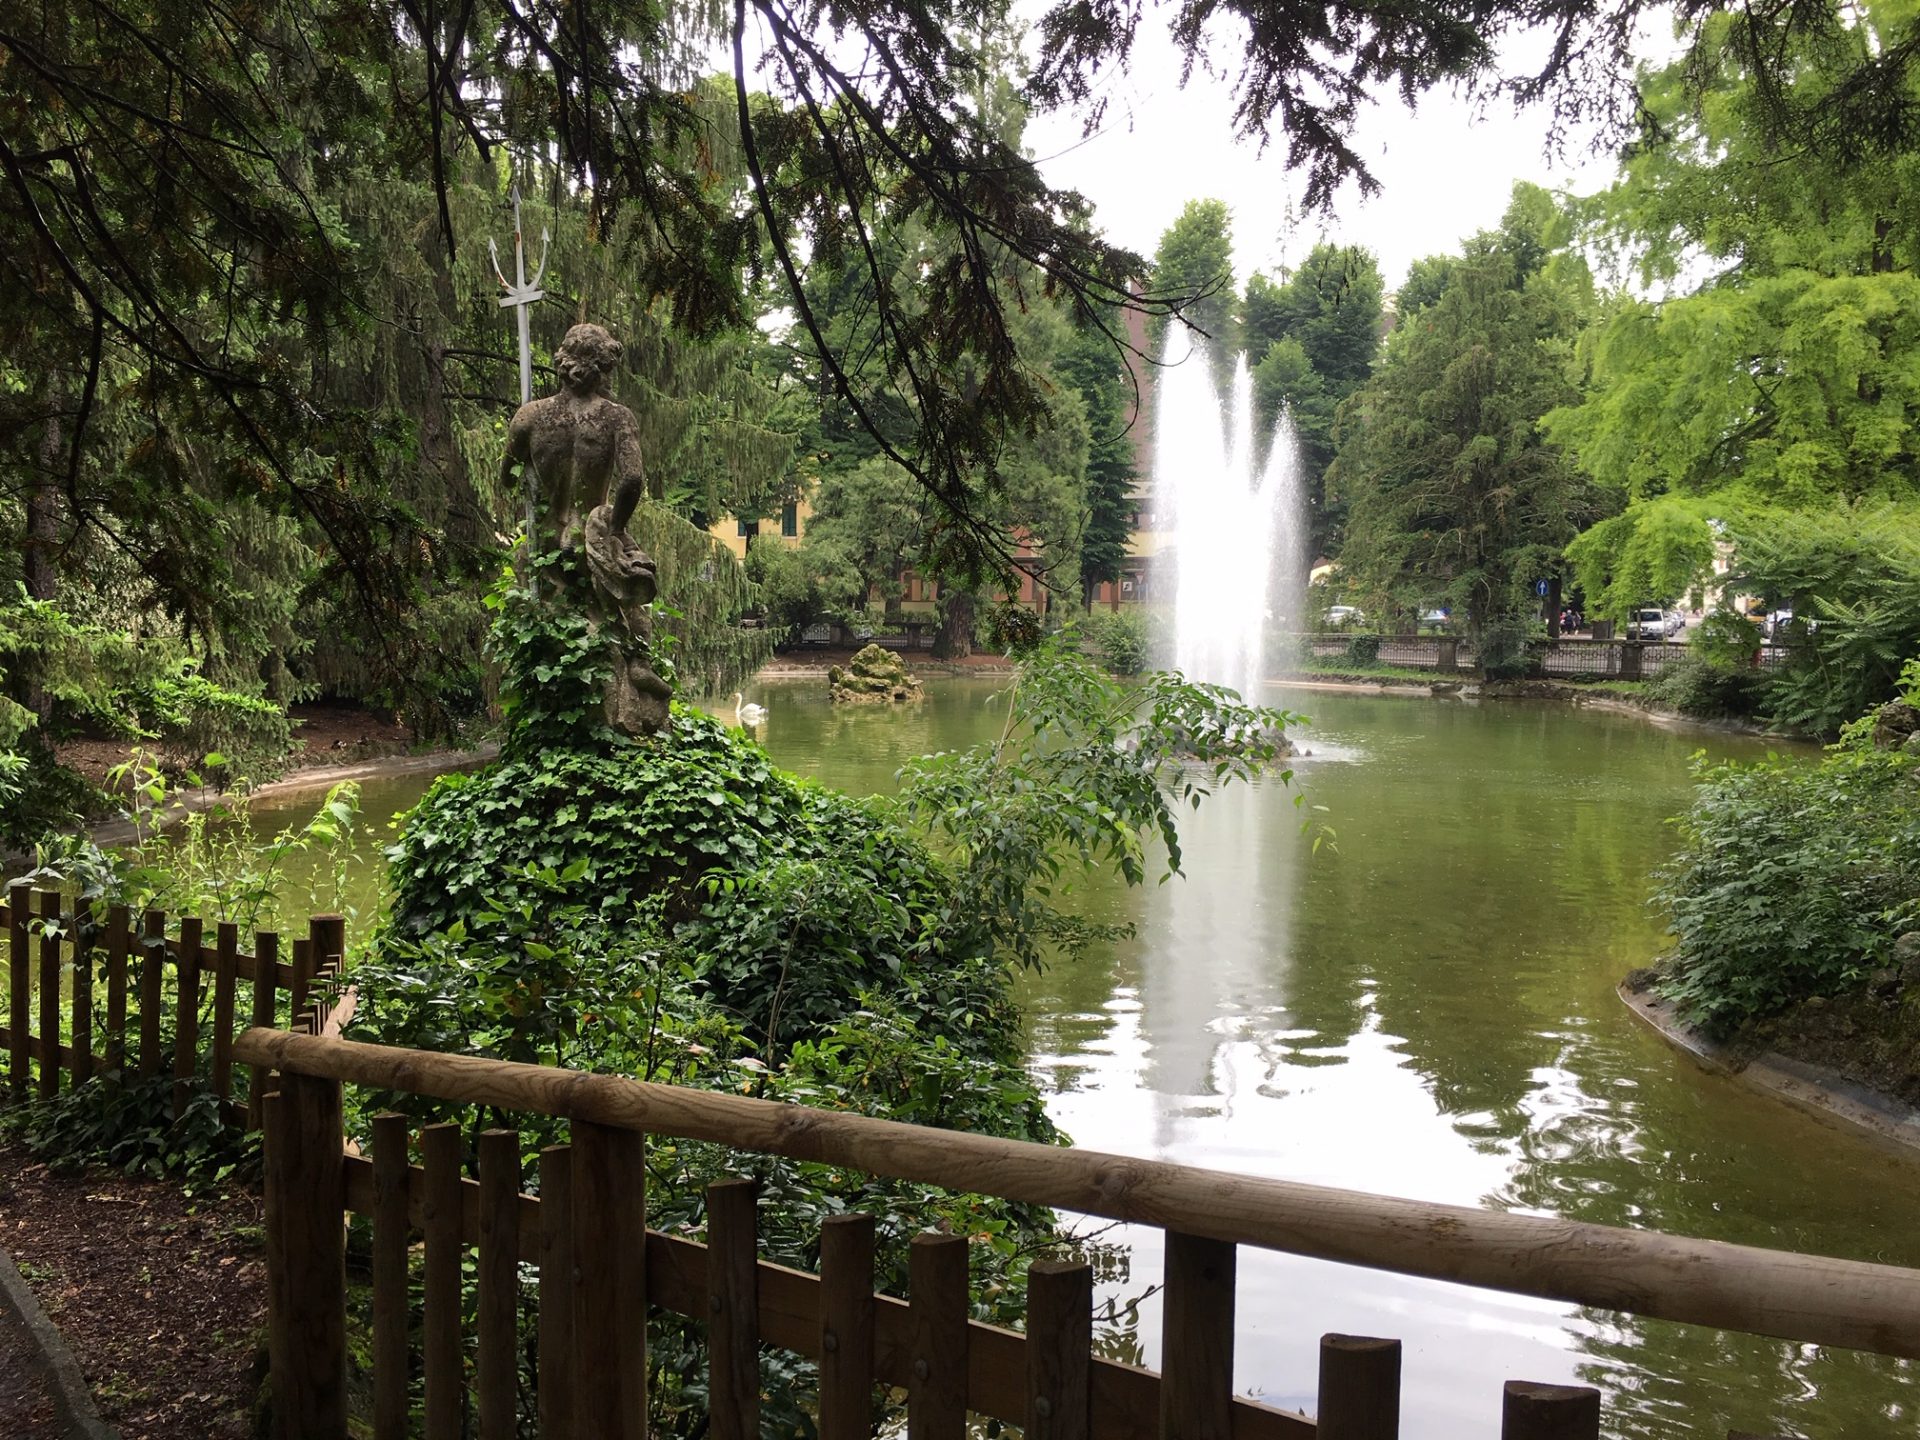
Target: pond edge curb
[[72, 1400], [1813, 1088]]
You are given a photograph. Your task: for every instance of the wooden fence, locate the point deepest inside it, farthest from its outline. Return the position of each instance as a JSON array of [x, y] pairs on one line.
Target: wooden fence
[[600, 1269], [103, 995]]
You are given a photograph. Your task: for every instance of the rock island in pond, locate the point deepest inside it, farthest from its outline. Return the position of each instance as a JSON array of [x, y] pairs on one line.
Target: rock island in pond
[[873, 675]]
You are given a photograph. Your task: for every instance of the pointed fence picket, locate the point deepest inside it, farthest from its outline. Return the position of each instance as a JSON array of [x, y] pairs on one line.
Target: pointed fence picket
[[96, 995]]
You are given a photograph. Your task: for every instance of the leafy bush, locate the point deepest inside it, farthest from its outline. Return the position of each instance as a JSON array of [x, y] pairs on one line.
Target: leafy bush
[[132, 1127], [647, 818], [1504, 648], [1085, 771], [1363, 650], [1124, 639], [247, 734], [1793, 880], [1694, 685], [1852, 577], [212, 863], [86, 676]]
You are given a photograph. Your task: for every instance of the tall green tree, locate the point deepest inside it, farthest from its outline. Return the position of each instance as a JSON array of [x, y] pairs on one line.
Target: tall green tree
[[1454, 493], [1194, 263], [1789, 381], [1097, 371], [1311, 340]]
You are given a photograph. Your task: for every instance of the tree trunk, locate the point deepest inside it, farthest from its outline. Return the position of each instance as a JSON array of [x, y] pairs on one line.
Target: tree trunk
[[40, 550], [1553, 608], [43, 501], [955, 638]]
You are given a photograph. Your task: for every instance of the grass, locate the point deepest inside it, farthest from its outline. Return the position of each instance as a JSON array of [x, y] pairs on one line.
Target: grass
[[1336, 667]]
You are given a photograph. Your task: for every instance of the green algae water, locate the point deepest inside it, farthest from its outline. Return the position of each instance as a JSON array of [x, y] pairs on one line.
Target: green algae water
[[1427, 1010]]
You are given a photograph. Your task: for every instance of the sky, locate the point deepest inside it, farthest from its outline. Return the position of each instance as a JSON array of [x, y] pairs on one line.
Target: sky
[[1446, 170]]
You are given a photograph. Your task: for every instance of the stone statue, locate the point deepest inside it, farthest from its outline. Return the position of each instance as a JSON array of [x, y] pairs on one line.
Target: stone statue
[[585, 452]]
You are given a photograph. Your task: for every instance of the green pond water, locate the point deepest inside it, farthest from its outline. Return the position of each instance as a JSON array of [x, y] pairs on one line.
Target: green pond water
[[1426, 1011]]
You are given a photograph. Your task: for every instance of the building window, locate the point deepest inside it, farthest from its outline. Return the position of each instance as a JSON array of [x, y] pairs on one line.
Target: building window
[[790, 521], [740, 528]]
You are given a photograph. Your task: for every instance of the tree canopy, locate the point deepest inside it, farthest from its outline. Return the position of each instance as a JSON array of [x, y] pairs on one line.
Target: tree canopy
[[1454, 494], [1311, 339], [1789, 380]]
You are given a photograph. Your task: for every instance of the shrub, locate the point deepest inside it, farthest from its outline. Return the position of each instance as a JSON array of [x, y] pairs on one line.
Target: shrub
[[1363, 650], [1793, 880], [1504, 649], [1852, 575], [248, 734], [1124, 639], [1697, 686]]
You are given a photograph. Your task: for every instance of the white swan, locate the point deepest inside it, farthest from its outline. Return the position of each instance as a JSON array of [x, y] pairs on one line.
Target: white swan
[[750, 716]]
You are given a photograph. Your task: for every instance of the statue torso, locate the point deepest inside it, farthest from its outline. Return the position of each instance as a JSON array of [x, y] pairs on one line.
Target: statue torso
[[571, 443]]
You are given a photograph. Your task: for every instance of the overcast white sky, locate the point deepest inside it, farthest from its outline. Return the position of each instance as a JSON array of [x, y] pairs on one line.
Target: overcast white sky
[[1445, 170]]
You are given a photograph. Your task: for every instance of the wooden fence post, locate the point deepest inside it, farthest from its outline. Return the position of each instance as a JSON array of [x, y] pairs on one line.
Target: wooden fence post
[[266, 974], [1359, 1388], [556, 1293], [609, 1282], [226, 968], [307, 1320], [49, 994], [1059, 1350], [302, 980], [186, 1024], [498, 1305], [733, 1305], [445, 1370], [119, 942], [19, 983], [846, 1327], [82, 995], [327, 935], [1549, 1412], [390, 1235], [1196, 1345], [153, 960], [937, 1297]]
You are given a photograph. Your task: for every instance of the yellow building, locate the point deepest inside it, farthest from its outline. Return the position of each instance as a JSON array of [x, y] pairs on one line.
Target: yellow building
[[789, 525]]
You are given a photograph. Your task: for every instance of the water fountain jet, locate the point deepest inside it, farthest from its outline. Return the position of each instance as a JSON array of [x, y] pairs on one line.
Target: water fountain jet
[[1239, 532]]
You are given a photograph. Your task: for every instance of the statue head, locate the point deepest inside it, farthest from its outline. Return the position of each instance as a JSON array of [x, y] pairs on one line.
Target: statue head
[[585, 358]]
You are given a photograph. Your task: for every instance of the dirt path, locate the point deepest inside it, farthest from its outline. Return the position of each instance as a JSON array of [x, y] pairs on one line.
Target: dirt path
[[160, 1297]]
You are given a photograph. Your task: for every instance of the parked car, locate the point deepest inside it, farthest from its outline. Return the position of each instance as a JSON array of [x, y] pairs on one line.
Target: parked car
[[1779, 624], [1341, 617], [1653, 624], [1436, 619]]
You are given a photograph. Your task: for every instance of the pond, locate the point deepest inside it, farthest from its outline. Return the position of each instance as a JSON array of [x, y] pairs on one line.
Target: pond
[[1427, 1009]]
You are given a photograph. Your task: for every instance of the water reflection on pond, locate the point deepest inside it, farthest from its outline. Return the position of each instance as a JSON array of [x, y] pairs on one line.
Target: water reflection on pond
[[1428, 1011]]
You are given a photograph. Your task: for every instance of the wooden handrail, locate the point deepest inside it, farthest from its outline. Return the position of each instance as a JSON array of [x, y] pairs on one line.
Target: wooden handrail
[[1790, 1296]]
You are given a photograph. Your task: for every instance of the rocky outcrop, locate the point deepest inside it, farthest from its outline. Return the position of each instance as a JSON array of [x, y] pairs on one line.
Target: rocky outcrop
[[1896, 726], [874, 675]]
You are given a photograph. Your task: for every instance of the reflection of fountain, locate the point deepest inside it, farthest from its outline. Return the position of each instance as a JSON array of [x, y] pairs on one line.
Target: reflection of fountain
[[1239, 534]]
